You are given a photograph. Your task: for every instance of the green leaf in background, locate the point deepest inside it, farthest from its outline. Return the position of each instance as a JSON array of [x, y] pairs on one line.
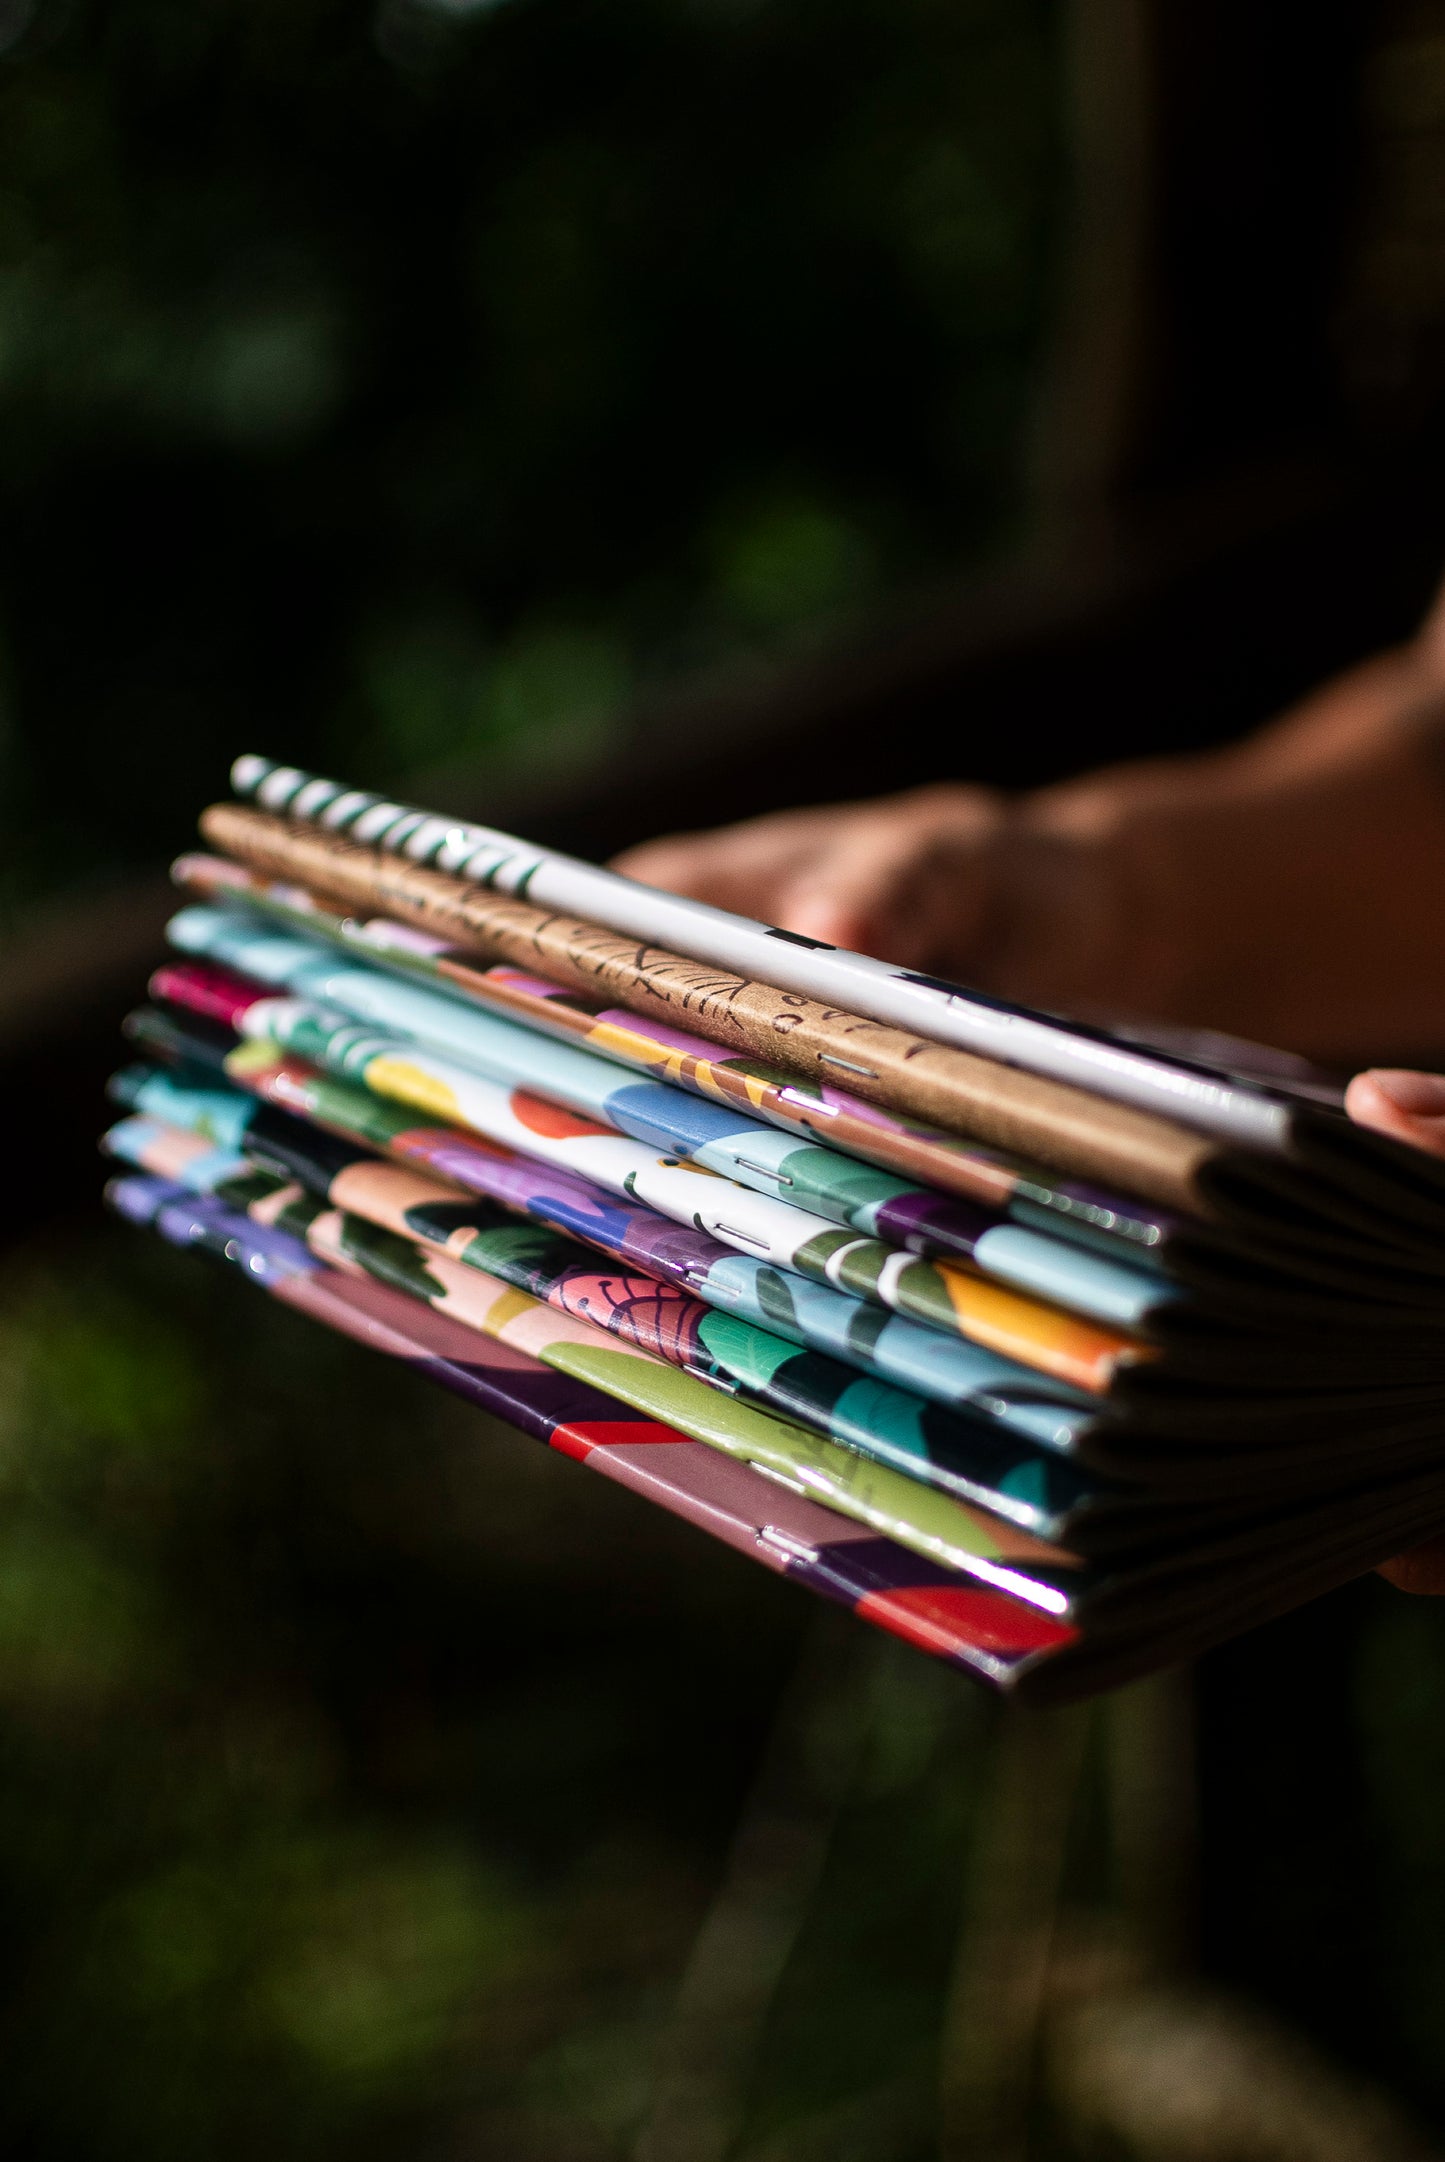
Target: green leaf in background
[[417, 383]]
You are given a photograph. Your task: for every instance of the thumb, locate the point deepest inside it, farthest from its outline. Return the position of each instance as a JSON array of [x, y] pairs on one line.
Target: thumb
[[1421, 1570], [1408, 1106]]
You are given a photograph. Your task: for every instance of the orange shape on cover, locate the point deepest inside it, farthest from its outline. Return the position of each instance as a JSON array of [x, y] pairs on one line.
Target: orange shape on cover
[[540, 1117]]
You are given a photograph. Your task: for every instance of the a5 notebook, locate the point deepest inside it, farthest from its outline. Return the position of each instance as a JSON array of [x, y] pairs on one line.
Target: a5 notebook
[[1148, 1346]]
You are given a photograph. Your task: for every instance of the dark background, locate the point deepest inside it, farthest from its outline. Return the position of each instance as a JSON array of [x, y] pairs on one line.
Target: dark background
[[606, 418]]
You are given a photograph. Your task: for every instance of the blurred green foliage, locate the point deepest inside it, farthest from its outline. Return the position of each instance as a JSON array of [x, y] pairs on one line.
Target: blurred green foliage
[[393, 383], [368, 1773], [415, 380], [365, 1770]]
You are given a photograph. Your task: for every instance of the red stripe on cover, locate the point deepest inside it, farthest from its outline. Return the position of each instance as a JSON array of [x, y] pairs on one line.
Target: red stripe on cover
[[581, 1436], [936, 1617], [201, 987]]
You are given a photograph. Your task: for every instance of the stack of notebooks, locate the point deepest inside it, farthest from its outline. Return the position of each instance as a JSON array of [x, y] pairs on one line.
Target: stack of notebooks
[[1061, 1355]]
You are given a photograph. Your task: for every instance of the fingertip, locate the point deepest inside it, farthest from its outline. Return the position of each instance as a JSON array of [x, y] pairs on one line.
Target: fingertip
[[1397, 1101], [626, 862], [668, 868], [1421, 1571], [816, 915], [1367, 1103], [1418, 1095]]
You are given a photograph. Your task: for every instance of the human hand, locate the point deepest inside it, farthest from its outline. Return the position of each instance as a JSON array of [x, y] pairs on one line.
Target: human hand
[[908, 878], [1410, 1107], [1290, 888]]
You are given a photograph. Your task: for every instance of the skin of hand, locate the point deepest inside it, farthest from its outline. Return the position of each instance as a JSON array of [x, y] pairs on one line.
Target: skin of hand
[[1290, 888], [904, 877]]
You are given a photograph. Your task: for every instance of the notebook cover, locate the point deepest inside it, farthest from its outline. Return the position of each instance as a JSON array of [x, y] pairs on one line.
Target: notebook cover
[[1270, 1360], [1211, 1099], [1325, 1170], [421, 1037], [944, 1368], [1025, 1113], [969, 1626], [972, 1459], [821, 1111], [1243, 1387]]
